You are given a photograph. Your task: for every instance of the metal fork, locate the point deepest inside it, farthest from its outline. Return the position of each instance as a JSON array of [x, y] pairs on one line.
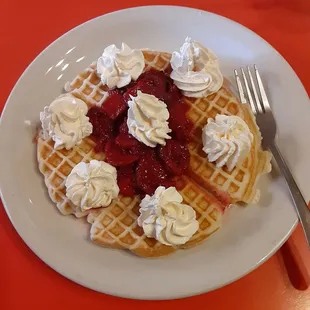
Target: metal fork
[[258, 101]]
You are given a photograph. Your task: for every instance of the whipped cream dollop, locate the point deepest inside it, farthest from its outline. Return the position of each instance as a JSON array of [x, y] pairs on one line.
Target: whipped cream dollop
[[65, 121], [165, 218], [227, 140], [147, 119], [117, 67], [92, 185], [196, 70]]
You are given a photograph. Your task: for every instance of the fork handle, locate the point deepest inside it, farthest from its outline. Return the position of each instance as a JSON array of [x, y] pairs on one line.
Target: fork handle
[[298, 200]]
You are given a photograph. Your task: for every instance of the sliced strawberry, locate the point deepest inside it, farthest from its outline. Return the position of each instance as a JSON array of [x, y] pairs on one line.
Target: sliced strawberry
[[103, 128], [100, 146], [126, 141], [132, 91], [150, 174], [178, 122], [182, 132], [116, 156], [123, 128], [151, 82], [174, 95], [114, 105], [156, 83], [175, 157], [131, 144], [126, 180]]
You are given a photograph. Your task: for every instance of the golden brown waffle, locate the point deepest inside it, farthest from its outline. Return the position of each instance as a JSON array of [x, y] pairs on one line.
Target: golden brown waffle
[[116, 226], [56, 165], [88, 87], [240, 183]]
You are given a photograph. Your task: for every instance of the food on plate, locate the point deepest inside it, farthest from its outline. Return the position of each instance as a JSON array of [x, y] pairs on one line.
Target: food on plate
[[151, 148]]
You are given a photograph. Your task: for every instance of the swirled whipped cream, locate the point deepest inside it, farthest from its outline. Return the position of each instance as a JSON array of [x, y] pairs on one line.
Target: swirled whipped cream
[[65, 121], [117, 67], [147, 119], [92, 185], [165, 218], [196, 70], [227, 140]]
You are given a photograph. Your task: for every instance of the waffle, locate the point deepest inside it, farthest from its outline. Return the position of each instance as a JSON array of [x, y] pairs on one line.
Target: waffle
[[240, 183], [56, 165], [116, 226]]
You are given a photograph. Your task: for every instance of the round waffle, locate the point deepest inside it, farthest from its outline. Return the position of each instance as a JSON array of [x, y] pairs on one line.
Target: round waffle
[[204, 187]]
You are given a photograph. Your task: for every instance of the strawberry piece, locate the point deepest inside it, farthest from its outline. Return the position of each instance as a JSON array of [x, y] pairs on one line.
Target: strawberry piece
[[126, 180], [123, 128], [132, 91], [155, 83], [178, 122], [116, 156], [126, 141], [151, 82], [102, 127], [114, 105], [131, 144], [150, 174], [142, 150], [175, 157], [174, 95]]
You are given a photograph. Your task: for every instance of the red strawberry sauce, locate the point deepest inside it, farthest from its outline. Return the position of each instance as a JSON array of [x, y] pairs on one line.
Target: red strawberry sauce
[[142, 169]]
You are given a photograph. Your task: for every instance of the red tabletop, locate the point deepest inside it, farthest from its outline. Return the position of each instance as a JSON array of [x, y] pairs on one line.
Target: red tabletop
[[26, 27]]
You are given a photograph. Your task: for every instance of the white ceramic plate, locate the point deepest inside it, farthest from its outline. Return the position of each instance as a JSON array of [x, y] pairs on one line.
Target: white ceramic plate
[[249, 235]]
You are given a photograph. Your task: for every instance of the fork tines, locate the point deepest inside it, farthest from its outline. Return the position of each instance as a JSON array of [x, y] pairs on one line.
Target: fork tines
[[257, 99]]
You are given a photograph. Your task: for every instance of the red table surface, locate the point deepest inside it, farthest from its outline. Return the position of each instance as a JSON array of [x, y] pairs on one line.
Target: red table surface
[[26, 27]]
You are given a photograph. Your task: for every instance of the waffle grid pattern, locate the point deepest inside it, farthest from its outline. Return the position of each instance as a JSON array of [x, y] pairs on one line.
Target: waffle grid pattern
[[117, 226], [235, 182], [88, 87], [155, 60], [56, 165]]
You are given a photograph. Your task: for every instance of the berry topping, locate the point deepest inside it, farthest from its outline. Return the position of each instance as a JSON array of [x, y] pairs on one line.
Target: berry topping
[[175, 157], [114, 105], [151, 82], [155, 82], [178, 122], [150, 174], [141, 169], [123, 128], [126, 180], [126, 141], [174, 95], [102, 127], [116, 156]]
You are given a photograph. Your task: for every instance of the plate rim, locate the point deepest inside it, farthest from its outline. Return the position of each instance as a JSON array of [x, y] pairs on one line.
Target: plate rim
[[83, 283]]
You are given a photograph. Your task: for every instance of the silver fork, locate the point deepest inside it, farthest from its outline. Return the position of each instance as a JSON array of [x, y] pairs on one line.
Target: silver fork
[[258, 101]]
